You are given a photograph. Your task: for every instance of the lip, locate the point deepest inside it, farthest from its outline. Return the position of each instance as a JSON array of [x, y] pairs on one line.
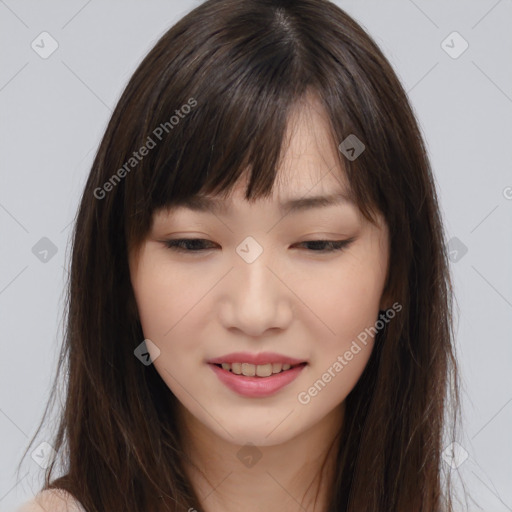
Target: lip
[[256, 387], [261, 358]]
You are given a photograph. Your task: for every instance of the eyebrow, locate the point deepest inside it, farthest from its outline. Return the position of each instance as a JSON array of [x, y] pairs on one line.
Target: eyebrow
[[216, 205]]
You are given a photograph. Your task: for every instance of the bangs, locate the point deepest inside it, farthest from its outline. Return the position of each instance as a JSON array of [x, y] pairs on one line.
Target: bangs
[[234, 131], [237, 126], [215, 106]]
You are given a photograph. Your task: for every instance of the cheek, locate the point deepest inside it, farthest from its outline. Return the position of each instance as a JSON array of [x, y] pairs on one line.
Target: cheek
[[173, 306], [156, 304], [345, 298], [164, 296], [341, 352]]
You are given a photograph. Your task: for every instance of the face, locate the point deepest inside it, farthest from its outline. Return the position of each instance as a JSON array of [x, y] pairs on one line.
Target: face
[[302, 283]]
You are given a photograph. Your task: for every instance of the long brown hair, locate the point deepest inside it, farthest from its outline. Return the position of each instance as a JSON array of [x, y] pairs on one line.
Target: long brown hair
[[208, 102]]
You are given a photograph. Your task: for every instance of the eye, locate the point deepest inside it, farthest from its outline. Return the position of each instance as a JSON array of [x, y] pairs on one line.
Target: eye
[[324, 246], [187, 244], [198, 245]]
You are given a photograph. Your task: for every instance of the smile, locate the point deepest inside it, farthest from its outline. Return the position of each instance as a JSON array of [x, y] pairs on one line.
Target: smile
[[248, 384], [259, 370]]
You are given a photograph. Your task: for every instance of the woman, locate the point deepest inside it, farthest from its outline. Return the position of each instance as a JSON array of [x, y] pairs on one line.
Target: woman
[[259, 307]]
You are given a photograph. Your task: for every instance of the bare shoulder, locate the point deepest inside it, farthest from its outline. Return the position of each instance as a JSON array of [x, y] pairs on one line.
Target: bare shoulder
[[52, 500]]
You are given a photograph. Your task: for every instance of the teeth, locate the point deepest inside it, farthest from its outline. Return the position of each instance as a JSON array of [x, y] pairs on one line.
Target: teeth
[[264, 370], [251, 370]]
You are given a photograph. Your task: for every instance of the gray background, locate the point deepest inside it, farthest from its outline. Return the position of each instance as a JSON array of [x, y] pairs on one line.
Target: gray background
[[54, 112]]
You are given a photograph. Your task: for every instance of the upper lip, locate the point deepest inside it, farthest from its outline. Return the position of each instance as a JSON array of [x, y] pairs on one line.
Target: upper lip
[[261, 358]]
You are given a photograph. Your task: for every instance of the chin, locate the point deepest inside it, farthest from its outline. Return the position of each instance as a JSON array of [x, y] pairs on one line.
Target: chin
[[270, 432]]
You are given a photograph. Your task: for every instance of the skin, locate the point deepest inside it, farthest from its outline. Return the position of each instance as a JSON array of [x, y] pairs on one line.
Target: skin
[[291, 300]]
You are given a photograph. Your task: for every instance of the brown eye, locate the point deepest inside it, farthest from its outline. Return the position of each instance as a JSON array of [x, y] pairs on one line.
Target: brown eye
[[196, 245], [188, 244], [324, 246]]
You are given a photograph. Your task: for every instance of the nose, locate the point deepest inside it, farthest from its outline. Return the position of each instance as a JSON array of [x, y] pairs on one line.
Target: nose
[[255, 298]]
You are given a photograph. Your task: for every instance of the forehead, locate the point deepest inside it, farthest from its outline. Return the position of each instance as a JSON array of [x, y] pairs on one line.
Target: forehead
[[310, 173], [310, 149], [303, 191]]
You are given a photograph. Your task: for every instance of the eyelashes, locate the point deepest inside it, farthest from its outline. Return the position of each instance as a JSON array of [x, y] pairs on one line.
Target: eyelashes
[[197, 245]]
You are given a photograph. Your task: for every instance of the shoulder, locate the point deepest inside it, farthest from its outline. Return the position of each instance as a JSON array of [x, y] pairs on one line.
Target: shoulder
[[52, 500]]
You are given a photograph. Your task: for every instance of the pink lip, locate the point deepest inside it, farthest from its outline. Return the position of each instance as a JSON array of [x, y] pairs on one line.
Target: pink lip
[[256, 387], [261, 358]]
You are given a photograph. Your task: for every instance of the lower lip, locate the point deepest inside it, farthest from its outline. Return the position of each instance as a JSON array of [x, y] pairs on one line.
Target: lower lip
[[257, 387]]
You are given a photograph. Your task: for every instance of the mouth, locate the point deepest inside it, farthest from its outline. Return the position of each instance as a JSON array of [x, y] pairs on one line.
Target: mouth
[[257, 381], [257, 370]]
